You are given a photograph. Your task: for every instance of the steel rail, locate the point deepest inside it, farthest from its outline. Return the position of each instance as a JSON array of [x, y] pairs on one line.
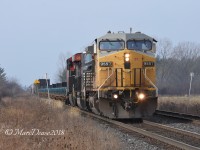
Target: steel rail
[[184, 132], [179, 116], [155, 136]]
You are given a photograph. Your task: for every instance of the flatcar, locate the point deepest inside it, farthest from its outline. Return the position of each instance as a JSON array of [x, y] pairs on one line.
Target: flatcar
[[114, 77]]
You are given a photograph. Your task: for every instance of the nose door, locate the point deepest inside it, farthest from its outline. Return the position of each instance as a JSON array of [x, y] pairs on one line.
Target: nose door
[[137, 77]]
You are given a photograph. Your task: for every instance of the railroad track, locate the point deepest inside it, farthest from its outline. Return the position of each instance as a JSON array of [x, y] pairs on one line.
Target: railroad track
[[189, 138], [153, 135], [171, 129], [188, 117], [155, 132]]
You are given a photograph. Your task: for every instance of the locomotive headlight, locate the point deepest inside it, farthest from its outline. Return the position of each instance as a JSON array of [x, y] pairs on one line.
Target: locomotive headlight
[[115, 96], [141, 96], [127, 57], [127, 64]]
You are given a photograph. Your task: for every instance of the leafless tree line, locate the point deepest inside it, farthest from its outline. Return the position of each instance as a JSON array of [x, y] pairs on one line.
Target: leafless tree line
[[8, 87], [175, 65]]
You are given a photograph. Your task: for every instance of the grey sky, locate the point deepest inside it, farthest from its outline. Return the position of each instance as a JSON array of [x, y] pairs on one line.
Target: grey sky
[[33, 33]]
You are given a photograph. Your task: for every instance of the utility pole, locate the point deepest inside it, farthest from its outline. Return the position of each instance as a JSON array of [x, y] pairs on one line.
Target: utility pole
[[191, 76], [47, 86]]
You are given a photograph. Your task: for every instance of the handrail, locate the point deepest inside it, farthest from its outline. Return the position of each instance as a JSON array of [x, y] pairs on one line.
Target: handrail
[[145, 75], [105, 81]]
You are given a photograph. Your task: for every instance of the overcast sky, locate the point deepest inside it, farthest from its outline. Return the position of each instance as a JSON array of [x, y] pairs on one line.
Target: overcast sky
[[34, 33]]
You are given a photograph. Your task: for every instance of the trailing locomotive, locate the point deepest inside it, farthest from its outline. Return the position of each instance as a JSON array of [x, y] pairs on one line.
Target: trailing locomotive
[[115, 76]]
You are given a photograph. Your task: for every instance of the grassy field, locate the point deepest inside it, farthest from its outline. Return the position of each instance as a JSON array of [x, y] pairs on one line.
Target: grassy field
[[189, 105], [30, 123]]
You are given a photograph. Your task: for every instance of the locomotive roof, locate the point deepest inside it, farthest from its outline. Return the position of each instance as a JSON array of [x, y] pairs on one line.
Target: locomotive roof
[[126, 36]]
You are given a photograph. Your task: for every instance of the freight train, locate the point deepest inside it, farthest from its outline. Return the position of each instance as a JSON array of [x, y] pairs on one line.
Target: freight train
[[114, 77]]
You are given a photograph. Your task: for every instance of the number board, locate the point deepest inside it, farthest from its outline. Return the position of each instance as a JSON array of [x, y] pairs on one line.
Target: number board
[[105, 64], [148, 64]]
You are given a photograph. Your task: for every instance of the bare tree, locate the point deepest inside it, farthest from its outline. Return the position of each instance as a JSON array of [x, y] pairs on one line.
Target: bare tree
[[61, 75], [186, 50], [8, 87], [174, 68], [2, 76], [187, 57], [13, 87], [2, 81], [164, 50]]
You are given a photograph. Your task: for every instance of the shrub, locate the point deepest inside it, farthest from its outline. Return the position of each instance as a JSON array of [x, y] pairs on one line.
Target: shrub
[[188, 105]]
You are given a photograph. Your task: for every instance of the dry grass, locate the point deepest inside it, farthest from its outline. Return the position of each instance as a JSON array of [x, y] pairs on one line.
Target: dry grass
[[31, 113], [189, 105]]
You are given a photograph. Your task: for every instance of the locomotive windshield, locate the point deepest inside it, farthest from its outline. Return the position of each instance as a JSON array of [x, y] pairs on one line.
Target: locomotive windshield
[[88, 58], [139, 45], [111, 45]]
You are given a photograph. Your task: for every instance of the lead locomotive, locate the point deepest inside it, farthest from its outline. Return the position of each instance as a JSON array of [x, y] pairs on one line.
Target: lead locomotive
[[115, 76]]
